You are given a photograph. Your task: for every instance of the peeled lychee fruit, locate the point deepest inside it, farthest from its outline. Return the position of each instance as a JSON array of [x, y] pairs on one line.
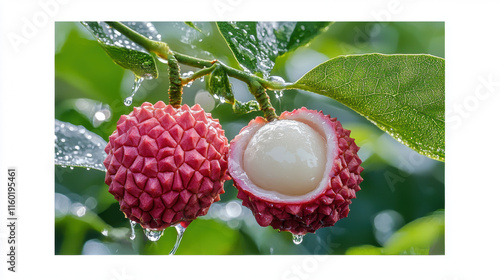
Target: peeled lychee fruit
[[298, 173], [166, 165]]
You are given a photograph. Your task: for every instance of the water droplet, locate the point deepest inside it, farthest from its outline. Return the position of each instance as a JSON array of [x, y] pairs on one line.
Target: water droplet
[[153, 235], [162, 60], [100, 116], [297, 238], [137, 83], [104, 232], [277, 80], [221, 99], [132, 228], [128, 101], [180, 232]]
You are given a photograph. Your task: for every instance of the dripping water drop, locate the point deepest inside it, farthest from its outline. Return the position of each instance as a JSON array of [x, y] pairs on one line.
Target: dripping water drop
[[153, 235], [132, 228], [137, 83], [297, 238], [278, 94], [128, 101], [180, 232]]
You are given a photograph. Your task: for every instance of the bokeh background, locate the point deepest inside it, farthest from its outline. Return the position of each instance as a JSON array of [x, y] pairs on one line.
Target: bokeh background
[[400, 209]]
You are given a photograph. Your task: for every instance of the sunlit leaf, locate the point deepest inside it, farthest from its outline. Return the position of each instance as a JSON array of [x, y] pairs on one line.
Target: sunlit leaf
[[256, 45], [124, 52], [402, 94], [202, 237], [417, 235]]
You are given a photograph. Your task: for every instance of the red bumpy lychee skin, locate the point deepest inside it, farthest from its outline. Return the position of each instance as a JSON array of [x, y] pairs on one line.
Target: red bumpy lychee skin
[[166, 165], [321, 207]]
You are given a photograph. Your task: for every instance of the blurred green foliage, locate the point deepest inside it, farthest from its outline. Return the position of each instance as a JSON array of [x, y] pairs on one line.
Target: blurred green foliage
[[400, 186]]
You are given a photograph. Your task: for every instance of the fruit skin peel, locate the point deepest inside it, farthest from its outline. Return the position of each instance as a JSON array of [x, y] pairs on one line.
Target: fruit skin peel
[[321, 207], [166, 165]]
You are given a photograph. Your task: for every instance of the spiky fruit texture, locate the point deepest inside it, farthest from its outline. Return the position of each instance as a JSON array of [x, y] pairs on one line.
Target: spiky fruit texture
[[166, 165], [291, 207]]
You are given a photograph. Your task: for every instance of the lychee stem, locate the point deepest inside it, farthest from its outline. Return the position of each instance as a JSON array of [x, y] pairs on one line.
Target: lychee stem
[[175, 87], [260, 94]]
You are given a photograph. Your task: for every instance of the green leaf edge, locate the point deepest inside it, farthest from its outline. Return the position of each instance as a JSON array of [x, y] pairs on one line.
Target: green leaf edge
[[110, 50], [437, 154], [291, 49]]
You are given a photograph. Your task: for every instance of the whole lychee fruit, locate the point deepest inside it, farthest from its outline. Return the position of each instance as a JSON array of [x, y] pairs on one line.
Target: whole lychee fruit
[[166, 165], [298, 173]]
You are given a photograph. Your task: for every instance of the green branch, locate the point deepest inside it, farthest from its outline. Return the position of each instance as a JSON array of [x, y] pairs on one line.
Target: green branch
[[263, 99], [203, 72], [257, 85], [175, 85]]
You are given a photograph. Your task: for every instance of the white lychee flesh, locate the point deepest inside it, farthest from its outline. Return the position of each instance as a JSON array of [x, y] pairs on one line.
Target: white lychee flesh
[[286, 156], [257, 168]]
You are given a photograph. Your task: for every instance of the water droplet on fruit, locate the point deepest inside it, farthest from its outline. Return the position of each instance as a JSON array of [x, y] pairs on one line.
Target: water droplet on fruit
[[132, 228], [153, 235], [180, 232], [297, 238], [137, 83]]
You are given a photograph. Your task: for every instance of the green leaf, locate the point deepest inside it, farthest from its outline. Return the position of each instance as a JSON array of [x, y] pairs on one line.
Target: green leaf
[[124, 52], [364, 250], [219, 86], [419, 237], [192, 25], [402, 94], [256, 45], [245, 107], [202, 237], [76, 146]]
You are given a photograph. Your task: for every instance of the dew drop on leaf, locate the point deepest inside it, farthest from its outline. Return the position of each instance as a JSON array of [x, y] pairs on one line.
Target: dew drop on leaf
[[74, 148]]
